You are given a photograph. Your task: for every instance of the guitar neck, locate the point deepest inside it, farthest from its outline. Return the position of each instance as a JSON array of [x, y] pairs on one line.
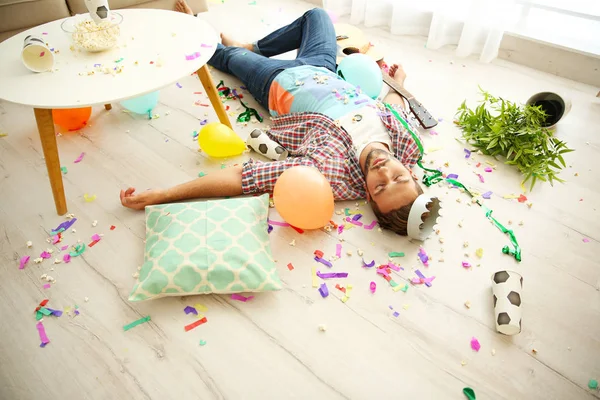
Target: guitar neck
[[396, 86]]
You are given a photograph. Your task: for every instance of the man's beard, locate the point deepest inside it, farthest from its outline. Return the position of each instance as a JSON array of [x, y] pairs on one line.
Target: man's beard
[[372, 156]]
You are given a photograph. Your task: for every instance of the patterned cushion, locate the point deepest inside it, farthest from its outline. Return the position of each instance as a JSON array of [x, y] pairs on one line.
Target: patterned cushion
[[219, 246]]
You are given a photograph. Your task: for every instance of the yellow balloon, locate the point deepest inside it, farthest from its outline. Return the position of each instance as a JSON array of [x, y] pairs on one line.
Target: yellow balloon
[[219, 140]]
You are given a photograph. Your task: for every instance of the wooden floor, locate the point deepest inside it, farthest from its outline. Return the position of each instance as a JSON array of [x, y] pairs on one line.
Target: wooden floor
[[271, 347]]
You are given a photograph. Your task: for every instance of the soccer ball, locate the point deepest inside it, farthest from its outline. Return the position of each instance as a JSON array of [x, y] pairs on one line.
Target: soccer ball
[[507, 301], [102, 12], [98, 9], [263, 148]]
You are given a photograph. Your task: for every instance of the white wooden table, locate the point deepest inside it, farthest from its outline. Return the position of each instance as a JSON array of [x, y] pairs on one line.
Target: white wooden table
[[152, 50]]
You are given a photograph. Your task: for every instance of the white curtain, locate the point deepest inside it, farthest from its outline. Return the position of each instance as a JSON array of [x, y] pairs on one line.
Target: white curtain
[[474, 26]]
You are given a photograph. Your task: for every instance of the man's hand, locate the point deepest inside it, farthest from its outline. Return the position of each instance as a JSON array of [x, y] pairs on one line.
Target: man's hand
[[139, 201]]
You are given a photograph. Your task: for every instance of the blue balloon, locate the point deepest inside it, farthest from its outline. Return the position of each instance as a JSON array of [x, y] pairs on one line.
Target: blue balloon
[[361, 71], [143, 104]]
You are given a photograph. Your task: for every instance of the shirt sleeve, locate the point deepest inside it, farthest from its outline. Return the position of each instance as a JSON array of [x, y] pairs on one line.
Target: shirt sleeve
[[260, 177], [405, 147]]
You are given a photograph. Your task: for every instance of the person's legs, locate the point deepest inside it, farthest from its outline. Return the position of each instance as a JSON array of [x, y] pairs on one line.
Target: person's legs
[[254, 70], [312, 34]]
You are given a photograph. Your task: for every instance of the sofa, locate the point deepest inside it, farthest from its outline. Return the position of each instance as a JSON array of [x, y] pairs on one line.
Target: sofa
[[19, 15]]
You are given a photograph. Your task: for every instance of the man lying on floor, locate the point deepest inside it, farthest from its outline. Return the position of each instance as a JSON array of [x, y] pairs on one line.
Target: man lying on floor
[[362, 151]]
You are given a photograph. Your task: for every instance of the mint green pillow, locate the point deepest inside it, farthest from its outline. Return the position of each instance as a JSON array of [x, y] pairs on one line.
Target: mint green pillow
[[217, 246]]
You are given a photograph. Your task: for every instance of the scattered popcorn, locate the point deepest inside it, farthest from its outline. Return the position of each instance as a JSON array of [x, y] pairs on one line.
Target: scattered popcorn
[[534, 351], [322, 327], [339, 212], [70, 216], [437, 231], [38, 260], [441, 240], [293, 242], [349, 253], [441, 259], [446, 164], [510, 222], [466, 244], [86, 299], [29, 243], [50, 251], [493, 352], [95, 223], [460, 224], [93, 36], [529, 205], [468, 304], [57, 261], [74, 230], [360, 252], [458, 200], [463, 363], [520, 223], [441, 250], [135, 275]]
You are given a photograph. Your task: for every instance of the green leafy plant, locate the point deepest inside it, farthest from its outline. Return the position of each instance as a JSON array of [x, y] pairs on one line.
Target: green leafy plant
[[499, 127]]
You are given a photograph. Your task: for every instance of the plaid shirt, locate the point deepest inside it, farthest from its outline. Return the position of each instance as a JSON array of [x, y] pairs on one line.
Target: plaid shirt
[[315, 140]]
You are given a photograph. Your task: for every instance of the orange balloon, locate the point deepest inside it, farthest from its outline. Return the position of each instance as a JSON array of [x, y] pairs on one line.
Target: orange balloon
[[303, 197], [71, 119]]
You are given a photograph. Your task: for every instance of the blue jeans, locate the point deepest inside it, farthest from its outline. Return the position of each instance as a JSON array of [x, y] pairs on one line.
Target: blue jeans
[[312, 35]]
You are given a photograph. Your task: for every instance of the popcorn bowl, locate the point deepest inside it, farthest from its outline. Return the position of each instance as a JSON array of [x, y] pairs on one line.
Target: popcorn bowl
[[89, 36]]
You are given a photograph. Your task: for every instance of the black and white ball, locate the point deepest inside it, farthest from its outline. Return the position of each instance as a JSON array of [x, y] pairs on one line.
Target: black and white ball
[[507, 301], [99, 10]]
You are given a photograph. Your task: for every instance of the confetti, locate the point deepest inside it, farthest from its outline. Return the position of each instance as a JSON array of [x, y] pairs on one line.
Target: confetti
[[88, 198], [202, 342], [370, 226], [78, 159], [522, 198], [323, 290], [423, 257], [77, 250], [481, 179], [193, 325], [353, 222], [67, 258], [488, 169], [487, 195], [47, 286], [475, 344], [277, 223], [452, 176], [112, 227], [315, 281], [178, 85], [192, 56], [394, 266], [329, 275], [422, 279], [45, 255], [42, 332], [206, 46], [586, 240], [593, 384], [204, 122], [134, 323], [290, 266], [338, 250], [372, 287], [479, 252], [64, 170], [239, 297], [466, 264], [393, 254], [23, 261], [200, 307], [190, 310], [470, 393], [368, 265], [323, 261], [467, 153]]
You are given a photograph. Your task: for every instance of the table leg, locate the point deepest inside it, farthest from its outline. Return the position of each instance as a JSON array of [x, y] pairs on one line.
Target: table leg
[[108, 107], [213, 95], [45, 125]]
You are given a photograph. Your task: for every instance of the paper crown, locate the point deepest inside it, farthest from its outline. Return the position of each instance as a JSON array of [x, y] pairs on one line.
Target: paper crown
[[420, 227]]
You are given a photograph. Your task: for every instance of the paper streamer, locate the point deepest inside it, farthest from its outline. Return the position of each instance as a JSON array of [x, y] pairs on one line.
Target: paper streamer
[[423, 257], [193, 325], [315, 281], [353, 222], [24, 260], [372, 287], [433, 176], [78, 159], [323, 261], [64, 226], [277, 223], [192, 56], [368, 265], [370, 226], [323, 290], [330, 275], [394, 267], [239, 297], [423, 279], [393, 254], [190, 310], [136, 323], [42, 332], [338, 250]]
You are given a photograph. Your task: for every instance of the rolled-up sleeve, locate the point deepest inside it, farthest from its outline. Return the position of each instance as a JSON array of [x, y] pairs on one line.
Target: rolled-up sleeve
[[260, 177]]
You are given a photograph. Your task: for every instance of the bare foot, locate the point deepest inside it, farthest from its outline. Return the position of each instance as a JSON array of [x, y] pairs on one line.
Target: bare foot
[[139, 201], [229, 42], [397, 72], [182, 7]]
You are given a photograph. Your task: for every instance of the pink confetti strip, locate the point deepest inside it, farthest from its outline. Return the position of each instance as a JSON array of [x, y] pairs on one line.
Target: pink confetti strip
[[239, 297], [66, 246], [338, 250], [340, 229], [42, 332], [67, 258], [78, 159], [422, 279], [395, 267], [353, 222], [586, 240], [45, 255], [56, 239], [370, 226], [47, 286], [372, 287], [466, 264], [383, 271], [193, 56], [488, 169], [481, 179], [475, 345], [24, 260], [277, 223], [96, 237], [204, 45], [361, 101]]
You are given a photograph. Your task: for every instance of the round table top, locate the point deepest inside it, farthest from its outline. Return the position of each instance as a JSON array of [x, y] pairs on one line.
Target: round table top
[[151, 54]]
